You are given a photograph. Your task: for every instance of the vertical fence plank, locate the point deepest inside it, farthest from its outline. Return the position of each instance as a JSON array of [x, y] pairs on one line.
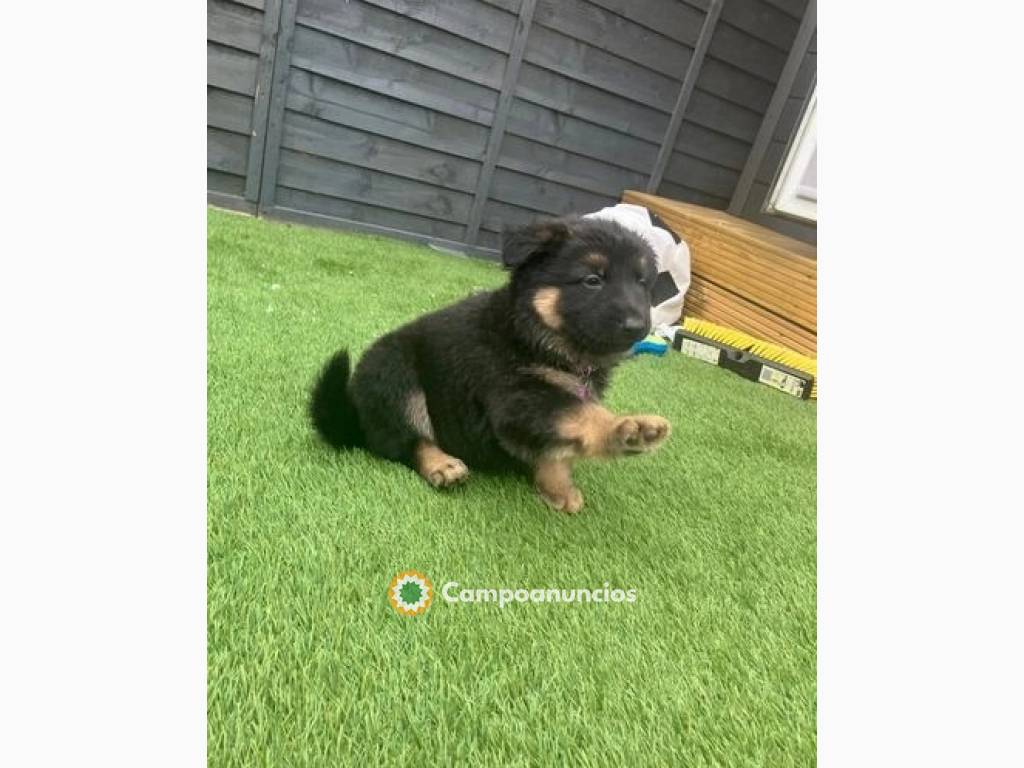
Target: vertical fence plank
[[686, 89], [275, 109], [261, 99], [771, 116], [508, 87]]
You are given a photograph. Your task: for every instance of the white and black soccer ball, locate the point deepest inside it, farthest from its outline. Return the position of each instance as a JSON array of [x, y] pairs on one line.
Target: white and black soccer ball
[[672, 253]]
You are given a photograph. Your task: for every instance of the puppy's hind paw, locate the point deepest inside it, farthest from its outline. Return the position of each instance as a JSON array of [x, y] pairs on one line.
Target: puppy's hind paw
[[640, 434]]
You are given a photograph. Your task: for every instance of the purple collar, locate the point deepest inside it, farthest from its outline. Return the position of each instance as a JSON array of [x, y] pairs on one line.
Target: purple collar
[[583, 391]]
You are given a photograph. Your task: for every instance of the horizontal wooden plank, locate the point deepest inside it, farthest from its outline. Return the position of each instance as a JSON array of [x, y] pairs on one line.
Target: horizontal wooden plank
[[328, 177], [557, 165], [512, 6], [754, 56], [499, 217], [761, 20], [229, 111], [707, 301], [618, 35], [787, 253], [712, 146], [712, 112], [231, 70], [356, 211], [794, 8], [701, 175], [674, 191], [366, 150], [544, 196], [225, 183], [675, 20], [259, 5], [470, 19], [235, 25], [226, 151], [579, 136], [405, 38], [358, 108], [575, 59], [734, 85], [367, 68], [555, 91]]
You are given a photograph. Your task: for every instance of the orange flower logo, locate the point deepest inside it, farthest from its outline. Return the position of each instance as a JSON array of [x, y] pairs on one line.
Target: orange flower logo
[[410, 593]]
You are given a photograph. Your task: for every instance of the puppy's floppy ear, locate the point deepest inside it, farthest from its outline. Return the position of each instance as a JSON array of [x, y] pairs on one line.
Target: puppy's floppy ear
[[520, 245]]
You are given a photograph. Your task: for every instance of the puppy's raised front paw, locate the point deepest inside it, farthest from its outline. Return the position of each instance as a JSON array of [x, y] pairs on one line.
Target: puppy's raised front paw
[[639, 434], [447, 472]]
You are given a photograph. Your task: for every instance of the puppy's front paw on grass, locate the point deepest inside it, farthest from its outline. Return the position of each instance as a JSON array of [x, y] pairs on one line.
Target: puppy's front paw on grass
[[446, 473], [639, 434], [569, 501]]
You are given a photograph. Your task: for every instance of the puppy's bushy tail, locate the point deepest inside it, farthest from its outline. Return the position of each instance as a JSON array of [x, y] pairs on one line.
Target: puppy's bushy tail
[[330, 408]]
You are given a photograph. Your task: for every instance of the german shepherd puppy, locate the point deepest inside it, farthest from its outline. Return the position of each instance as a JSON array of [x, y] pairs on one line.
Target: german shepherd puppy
[[511, 378]]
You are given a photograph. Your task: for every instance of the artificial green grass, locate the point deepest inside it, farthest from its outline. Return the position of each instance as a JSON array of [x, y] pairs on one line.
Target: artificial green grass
[[310, 666]]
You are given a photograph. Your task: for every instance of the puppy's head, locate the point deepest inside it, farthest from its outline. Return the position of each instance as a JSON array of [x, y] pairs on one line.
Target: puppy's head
[[589, 281]]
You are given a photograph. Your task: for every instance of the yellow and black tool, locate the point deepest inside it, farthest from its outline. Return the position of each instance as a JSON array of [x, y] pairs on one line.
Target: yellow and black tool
[[752, 358]]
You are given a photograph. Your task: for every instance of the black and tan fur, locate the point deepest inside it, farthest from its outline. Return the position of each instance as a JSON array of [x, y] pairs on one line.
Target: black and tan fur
[[510, 379]]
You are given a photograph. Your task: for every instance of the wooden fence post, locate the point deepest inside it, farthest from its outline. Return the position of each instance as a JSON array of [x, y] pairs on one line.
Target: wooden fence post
[[275, 109]]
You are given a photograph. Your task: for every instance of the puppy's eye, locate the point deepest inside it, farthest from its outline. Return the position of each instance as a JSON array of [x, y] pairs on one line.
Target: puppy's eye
[[593, 281]]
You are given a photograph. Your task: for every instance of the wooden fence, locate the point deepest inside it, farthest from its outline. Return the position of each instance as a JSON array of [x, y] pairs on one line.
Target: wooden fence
[[445, 121]]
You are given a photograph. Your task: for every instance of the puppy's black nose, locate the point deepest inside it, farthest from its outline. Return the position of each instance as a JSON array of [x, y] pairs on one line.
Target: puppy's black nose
[[635, 325]]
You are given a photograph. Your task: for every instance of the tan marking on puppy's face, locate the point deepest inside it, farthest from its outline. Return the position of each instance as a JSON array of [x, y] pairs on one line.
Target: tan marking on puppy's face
[[545, 304], [597, 261]]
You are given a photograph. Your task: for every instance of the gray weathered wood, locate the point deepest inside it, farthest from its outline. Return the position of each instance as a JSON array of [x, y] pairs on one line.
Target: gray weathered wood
[[723, 116], [276, 106], [700, 174], [367, 68], [228, 111], [688, 195], [229, 201], [554, 91], [677, 21], [226, 151], [316, 219], [683, 99], [381, 115], [405, 38], [511, 74], [795, 8], [698, 141], [225, 183], [261, 99], [548, 126], [747, 53], [329, 177], [616, 34], [469, 19], [353, 210], [234, 25], [337, 142], [545, 196], [579, 61], [231, 70], [726, 82], [768, 125], [757, 18], [552, 164]]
